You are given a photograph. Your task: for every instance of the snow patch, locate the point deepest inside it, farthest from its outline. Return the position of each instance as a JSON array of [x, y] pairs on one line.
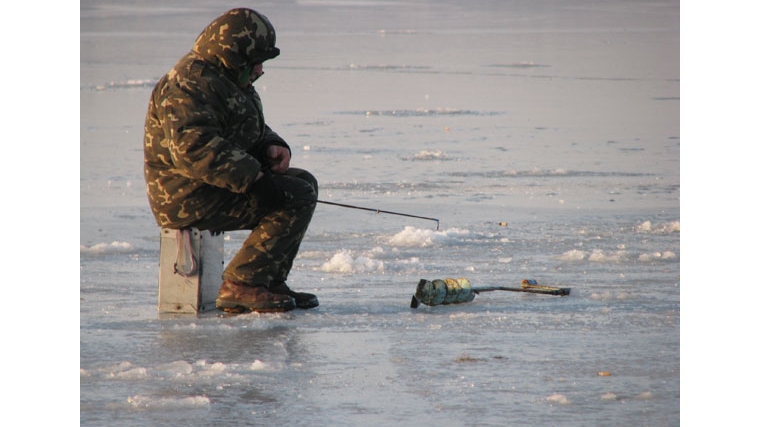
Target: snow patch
[[106, 248], [665, 228], [415, 237], [344, 261], [558, 398], [148, 402]]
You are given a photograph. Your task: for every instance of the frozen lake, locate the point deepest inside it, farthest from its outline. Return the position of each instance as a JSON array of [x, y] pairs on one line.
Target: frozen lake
[[560, 119]]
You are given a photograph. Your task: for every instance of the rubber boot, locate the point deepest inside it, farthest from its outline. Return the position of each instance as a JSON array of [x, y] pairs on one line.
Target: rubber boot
[[303, 299], [236, 297]]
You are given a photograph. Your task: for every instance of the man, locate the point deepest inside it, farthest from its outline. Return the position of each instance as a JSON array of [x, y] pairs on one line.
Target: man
[[213, 163]]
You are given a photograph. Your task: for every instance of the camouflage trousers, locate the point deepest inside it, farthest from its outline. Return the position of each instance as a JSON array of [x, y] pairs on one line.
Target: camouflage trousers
[[267, 255]]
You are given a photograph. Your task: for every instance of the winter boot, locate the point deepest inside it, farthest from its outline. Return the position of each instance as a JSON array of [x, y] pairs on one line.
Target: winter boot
[[236, 297], [303, 299]]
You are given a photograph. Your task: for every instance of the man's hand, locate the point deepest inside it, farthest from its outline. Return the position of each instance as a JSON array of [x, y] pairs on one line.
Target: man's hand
[[279, 159]]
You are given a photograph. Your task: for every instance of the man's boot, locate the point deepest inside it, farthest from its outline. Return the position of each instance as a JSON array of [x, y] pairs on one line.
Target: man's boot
[[236, 297], [303, 299]]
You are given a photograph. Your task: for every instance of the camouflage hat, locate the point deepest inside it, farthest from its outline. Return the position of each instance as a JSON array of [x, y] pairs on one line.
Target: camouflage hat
[[238, 39]]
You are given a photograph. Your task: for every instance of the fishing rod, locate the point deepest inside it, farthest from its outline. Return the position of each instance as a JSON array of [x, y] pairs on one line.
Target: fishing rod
[[343, 205], [457, 291], [437, 221]]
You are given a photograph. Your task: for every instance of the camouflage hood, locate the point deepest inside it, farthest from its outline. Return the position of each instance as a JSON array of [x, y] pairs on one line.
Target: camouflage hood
[[237, 40]]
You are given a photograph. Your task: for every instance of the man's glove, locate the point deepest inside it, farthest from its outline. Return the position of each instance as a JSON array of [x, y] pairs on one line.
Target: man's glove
[[268, 192]]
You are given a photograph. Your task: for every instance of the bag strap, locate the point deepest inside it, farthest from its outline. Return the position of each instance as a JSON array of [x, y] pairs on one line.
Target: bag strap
[[187, 263]]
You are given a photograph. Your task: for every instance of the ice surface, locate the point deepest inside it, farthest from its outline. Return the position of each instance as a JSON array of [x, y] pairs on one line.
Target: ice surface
[[558, 119]]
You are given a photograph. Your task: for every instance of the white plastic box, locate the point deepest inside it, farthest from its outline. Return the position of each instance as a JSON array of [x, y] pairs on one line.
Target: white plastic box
[[190, 270]]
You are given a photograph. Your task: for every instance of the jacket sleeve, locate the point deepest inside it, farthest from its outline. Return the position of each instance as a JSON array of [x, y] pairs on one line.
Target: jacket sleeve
[[194, 119]]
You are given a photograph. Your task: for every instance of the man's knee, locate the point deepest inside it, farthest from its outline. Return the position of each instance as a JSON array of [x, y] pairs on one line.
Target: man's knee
[[308, 177], [301, 184]]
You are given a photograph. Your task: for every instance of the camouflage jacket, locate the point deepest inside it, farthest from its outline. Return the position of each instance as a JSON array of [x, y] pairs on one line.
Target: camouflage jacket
[[205, 135]]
